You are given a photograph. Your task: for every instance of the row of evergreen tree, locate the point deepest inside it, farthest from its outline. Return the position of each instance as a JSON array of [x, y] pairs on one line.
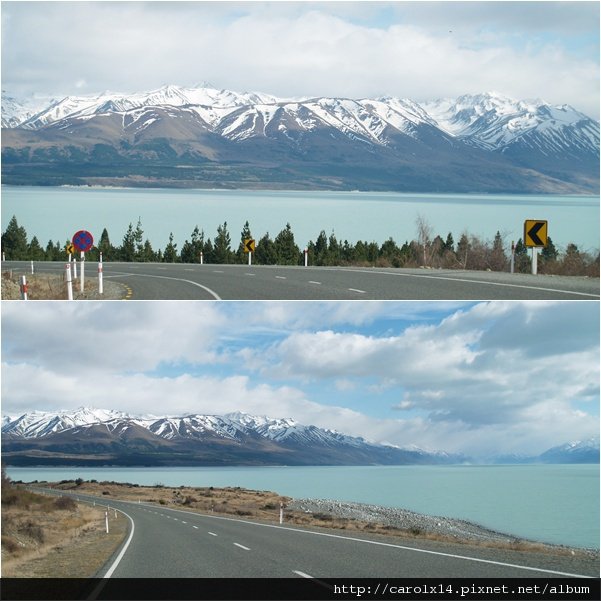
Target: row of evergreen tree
[[427, 250]]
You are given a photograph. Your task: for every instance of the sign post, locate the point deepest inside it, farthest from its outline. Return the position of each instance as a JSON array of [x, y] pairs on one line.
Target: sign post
[[249, 248], [100, 286], [82, 241], [535, 237]]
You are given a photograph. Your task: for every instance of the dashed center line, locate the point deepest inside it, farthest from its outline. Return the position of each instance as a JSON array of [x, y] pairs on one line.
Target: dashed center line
[[195, 527], [242, 546], [212, 534], [280, 277], [249, 274], [357, 290], [312, 282]]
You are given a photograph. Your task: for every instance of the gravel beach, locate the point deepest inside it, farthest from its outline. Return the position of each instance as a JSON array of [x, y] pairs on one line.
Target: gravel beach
[[417, 523]]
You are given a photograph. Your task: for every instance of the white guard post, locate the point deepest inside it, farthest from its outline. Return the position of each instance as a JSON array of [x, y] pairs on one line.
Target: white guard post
[[69, 281], [306, 253], [250, 258], [201, 258], [100, 286]]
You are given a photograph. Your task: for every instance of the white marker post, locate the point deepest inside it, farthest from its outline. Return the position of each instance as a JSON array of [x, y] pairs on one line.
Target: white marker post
[[74, 268], [306, 253], [100, 286], [69, 281], [23, 288], [534, 260], [201, 258], [32, 268], [281, 512], [83, 262], [512, 264], [250, 258], [106, 520]]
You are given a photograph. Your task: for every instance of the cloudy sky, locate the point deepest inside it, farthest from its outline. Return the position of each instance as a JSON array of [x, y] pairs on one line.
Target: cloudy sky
[[479, 378], [419, 50]]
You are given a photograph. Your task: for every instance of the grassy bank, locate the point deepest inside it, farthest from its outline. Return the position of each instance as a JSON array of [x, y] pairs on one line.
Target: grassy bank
[[54, 537]]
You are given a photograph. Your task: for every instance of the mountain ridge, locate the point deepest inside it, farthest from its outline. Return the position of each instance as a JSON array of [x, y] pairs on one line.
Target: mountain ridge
[[101, 437], [204, 136]]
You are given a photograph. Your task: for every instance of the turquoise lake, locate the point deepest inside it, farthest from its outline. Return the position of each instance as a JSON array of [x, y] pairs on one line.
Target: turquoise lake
[[551, 503], [57, 213]]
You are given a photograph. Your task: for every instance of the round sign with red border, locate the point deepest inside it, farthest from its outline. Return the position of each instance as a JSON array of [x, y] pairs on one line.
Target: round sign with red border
[[83, 240]]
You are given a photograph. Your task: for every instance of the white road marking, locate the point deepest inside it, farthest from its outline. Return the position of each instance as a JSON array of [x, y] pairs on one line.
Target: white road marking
[[312, 282], [195, 527], [373, 542], [357, 290], [184, 522], [212, 534], [216, 271], [165, 277], [249, 274], [242, 546], [280, 277], [302, 574]]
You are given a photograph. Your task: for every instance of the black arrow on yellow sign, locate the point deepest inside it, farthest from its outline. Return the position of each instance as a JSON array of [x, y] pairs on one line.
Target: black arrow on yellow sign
[[535, 233], [249, 245]]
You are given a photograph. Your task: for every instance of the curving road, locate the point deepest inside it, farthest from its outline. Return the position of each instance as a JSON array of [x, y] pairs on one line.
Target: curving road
[[170, 543], [177, 281]]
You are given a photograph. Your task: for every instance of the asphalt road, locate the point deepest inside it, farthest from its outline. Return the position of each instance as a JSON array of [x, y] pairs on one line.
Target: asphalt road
[[177, 281], [170, 543]]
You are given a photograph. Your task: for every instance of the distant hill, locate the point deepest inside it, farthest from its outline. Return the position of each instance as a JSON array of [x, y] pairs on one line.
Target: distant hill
[[203, 137]]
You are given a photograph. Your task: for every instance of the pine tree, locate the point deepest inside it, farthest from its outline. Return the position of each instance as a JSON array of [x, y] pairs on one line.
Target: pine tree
[[222, 251], [287, 251], [138, 236], [105, 246], [127, 252], [35, 251], [265, 253], [245, 234], [170, 254], [14, 241]]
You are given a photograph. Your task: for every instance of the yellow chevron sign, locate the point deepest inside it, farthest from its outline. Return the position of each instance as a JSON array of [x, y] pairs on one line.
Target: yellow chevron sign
[[535, 233]]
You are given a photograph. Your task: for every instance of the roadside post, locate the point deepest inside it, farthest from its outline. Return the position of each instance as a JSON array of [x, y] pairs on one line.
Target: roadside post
[[106, 520], [535, 237], [512, 268], [32, 268], [281, 512], [23, 288], [100, 286], [74, 263], [201, 258], [69, 281], [306, 253]]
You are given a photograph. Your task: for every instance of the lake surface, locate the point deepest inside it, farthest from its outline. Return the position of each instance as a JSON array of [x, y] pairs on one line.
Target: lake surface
[[551, 503], [57, 213]]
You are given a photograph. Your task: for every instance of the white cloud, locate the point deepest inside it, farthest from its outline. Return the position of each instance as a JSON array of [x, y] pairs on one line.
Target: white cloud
[[487, 378], [298, 49]]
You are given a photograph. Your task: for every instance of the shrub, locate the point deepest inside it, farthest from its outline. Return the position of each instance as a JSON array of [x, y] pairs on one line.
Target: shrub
[[65, 503], [32, 530]]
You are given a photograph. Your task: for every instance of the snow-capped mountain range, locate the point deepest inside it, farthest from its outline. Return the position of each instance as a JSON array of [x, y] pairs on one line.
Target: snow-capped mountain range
[[97, 436], [402, 141]]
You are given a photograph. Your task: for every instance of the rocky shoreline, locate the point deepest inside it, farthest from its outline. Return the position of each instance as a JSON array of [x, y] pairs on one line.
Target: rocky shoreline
[[418, 523]]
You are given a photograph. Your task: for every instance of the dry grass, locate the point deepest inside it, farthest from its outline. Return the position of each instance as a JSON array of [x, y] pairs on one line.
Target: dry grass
[[54, 537], [43, 286]]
